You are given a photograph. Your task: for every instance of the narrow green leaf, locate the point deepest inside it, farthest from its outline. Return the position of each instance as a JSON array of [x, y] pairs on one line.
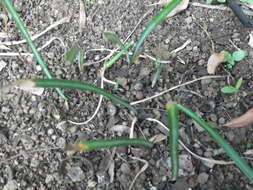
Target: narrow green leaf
[[71, 55], [245, 168], [114, 38], [239, 55], [14, 15], [229, 89], [209, 1], [109, 63], [239, 83], [100, 144], [173, 122], [69, 84], [156, 20], [247, 1], [221, 1], [157, 74]]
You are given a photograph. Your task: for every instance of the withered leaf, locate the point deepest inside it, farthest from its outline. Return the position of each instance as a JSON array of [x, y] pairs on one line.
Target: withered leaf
[[241, 121], [214, 61]]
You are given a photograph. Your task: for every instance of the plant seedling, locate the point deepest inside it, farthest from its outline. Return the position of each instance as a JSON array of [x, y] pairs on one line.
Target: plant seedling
[[157, 74], [115, 39], [232, 89], [230, 59]]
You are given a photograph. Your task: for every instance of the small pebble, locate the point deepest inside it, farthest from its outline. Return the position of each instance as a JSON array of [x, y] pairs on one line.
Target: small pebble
[[138, 86], [213, 117], [92, 184], [11, 185], [222, 120], [76, 174], [111, 109], [50, 131], [97, 57], [202, 178], [139, 95]]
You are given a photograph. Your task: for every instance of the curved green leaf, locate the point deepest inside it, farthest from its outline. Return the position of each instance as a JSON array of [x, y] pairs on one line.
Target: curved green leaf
[[71, 84], [156, 20], [245, 168], [12, 11]]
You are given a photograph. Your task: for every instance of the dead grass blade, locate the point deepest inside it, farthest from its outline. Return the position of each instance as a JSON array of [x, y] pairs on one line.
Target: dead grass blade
[[214, 61], [82, 16]]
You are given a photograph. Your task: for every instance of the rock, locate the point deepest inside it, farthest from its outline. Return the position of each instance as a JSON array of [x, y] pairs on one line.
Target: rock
[[61, 142], [2, 65], [139, 95], [50, 131], [213, 117], [208, 164], [221, 121], [91, 184], [202, 178], [11, 185], [138, 86], [34, 162], [112, 110], [122, 81], [75, 174], [49, 178], [125, 168]]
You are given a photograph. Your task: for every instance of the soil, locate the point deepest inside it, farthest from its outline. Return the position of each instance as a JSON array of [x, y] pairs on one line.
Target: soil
[[30, 131]]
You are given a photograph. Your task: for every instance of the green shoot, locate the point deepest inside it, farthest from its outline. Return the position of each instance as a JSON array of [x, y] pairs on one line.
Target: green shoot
[[230, 59], [117, 56], [100, 144], [157, 74], [173, 121], [115, 39], [156, 20], [232, 89], [12, 11], [245, 168], [59, 83], [72, 54]]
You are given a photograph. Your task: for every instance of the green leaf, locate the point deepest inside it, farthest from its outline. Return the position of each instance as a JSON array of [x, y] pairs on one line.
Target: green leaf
[[156, 20], [157, 74], [245, 168], [239, 55], [228, 59], [173, 123], [114, 38], [239, 83], [72, 54], [109, 63], [20, 25], [107, 143], [209, 1], [247, 1], [221, 1], [72, 84], [227, 56], [229, 89]]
